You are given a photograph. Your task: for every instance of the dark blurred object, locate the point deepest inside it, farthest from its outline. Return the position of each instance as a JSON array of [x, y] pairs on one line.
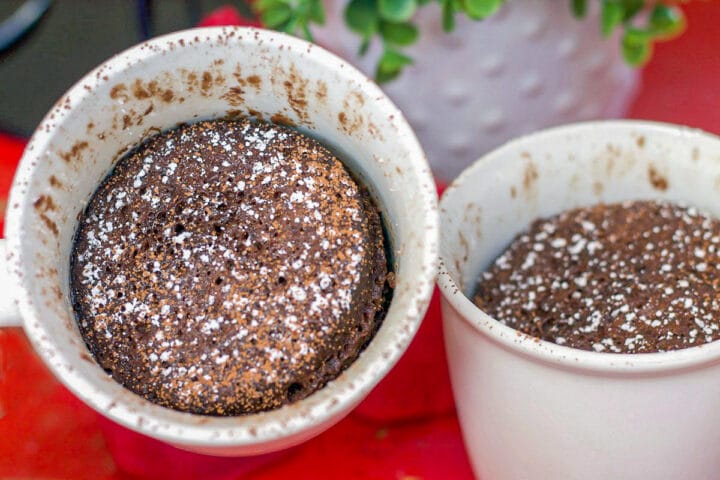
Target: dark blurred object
[[144, 14], [21, 22], [73, 37]]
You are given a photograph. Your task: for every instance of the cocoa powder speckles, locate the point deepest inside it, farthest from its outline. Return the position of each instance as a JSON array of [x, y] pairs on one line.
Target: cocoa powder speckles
[[624, 278], [657, 180], [74, 151], [228, 267], [119, 92]]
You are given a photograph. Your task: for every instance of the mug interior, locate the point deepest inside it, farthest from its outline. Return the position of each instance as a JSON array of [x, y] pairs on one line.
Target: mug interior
[[559, 169], [207, 74]]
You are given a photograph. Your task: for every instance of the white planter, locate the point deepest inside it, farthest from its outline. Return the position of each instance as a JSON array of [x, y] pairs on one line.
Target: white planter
[[530, 66]]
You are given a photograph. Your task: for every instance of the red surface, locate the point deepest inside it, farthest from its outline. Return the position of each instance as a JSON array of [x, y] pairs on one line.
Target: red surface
[[406, 429], [681, 84], [227, 15]]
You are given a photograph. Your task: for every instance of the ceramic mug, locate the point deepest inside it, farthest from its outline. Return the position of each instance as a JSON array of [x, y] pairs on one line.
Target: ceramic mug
[[183, 77], [532, 409]]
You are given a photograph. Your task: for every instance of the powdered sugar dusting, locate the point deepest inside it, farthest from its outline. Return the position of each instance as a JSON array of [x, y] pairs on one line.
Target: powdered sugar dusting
[[217, 256], [623, 278]]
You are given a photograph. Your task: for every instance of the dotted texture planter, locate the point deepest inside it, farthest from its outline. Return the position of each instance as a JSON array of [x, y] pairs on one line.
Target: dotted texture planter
[[530, 66]]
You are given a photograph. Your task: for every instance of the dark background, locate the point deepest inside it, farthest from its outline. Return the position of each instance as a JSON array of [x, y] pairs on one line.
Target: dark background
[[72, 38]]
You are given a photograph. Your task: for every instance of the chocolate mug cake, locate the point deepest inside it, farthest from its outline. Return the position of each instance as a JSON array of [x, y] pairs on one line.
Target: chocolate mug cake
[[634, 277], [229, 267]]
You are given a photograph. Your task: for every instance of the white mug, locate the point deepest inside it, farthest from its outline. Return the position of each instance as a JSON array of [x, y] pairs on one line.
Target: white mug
[[183, 77], [531, 409]]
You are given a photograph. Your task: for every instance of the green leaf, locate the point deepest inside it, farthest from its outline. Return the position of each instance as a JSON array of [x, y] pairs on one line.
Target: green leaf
[[364, 46], [276, 16], [392, 59], [636, 36], [611, 16], [479, 9], [579, 8], [384, 77], [666, 21], [397, 10], [636, 46], [306, 32], [262, 5], [316, 12], [391, 65], [290, 26], [399, 33], [631, 8], [361, 17], [448, 16]]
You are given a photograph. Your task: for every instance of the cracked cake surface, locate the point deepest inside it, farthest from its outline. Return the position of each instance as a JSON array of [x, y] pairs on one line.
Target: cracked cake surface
[[228, 267]]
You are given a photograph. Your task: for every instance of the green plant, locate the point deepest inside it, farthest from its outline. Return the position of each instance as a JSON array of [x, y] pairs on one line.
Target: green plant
[[391, 22], [663, 22]]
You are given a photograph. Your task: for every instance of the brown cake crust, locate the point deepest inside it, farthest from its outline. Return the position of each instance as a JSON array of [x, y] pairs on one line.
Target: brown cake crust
[[625, 278], [228, 267]]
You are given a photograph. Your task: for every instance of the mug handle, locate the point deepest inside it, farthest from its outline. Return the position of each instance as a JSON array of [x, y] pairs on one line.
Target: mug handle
[[9, 313]]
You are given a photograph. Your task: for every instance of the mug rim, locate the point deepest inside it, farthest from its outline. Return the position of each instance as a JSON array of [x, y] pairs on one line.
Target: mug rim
[[301, 419], [625, 364]]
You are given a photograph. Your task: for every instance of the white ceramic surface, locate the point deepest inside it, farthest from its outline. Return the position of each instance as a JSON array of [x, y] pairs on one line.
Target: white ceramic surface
[[200, 74], [530, 66], [535, 410]]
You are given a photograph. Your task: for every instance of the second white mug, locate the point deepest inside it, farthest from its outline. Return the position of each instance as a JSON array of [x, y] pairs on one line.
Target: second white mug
[[531, 409]]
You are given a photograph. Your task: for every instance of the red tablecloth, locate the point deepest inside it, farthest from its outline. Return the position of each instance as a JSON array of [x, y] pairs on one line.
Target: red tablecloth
[[406, 429]]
